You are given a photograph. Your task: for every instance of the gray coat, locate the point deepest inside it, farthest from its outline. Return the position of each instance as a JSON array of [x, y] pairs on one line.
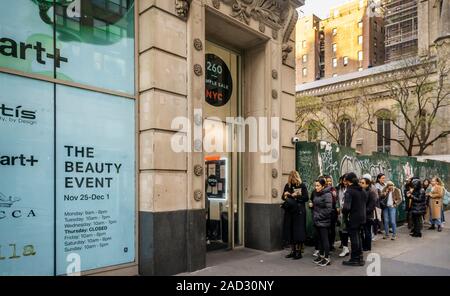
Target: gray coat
[[323, 207]]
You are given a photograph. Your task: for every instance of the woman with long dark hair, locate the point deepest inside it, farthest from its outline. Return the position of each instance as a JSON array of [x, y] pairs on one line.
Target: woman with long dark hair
[[322, 214], [295, 195]]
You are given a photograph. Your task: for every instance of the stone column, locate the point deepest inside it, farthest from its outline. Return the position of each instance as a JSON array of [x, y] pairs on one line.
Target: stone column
[[163, 173]]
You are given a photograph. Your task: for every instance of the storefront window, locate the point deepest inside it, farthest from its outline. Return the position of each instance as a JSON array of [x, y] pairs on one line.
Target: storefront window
[[26, 176], [94, 41]]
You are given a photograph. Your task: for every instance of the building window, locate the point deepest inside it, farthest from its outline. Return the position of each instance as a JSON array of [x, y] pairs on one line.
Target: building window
[[305, 58], [360, 24], [334, 63], [360, 39], [334, 31], [345, 61], [360, 55], [304, 44], [345, 132], [383, 132], [305, 72], [334, 47]]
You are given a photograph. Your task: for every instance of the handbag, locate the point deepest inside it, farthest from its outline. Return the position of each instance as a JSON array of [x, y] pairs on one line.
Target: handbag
[[290, 205]]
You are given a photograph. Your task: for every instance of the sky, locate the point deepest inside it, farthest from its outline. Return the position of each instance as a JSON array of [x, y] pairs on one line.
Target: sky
[[321, 8]]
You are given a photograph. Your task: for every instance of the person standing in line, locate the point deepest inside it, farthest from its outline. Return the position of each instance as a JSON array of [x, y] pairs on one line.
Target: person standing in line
[[322, 211], [334, 215], [295, 195], [355, 201], [418, 206], [407, 188], [436, 199], [372, 198], [390, 199], [380, 184], [426, 185], [342, 223]]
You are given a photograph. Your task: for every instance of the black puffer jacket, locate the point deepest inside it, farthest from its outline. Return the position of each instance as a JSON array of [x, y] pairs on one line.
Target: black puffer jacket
[[355, 201], [372, 199], [323, 207], [419, 202]]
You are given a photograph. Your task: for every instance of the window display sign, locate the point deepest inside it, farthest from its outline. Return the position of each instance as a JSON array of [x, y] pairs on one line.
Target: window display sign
[[95, 195], [94, 40], [218, 83], [26, 177], [216, 182]]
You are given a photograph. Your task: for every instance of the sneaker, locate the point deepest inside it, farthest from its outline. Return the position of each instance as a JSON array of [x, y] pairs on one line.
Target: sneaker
[[394, 237], [318, 259], [325, 262], [316, 253], [345, 252]]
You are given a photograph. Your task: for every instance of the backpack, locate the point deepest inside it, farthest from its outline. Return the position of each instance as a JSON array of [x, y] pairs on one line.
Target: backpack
[[446, 197]]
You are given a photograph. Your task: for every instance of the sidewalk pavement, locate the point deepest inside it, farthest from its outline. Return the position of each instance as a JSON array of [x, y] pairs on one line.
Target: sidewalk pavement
[[406, 256]]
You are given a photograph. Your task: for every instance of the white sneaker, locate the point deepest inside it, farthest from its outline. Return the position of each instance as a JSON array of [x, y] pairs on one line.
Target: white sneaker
[[316, 253], [345, 252]]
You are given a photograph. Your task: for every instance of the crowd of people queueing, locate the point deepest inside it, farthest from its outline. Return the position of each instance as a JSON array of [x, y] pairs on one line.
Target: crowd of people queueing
[[359, 209]]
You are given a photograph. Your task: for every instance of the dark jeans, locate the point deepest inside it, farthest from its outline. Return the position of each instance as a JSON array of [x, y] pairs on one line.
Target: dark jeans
[[366, 235], [344, 238], [417, 223], [324, 245], [332, 234], [356, 243]]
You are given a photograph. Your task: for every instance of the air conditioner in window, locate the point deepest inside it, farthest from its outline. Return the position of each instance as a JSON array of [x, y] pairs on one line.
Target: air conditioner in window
[[359, 141]]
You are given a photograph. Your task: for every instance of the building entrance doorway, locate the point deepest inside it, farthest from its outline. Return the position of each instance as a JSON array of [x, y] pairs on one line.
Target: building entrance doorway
[[222, 165]]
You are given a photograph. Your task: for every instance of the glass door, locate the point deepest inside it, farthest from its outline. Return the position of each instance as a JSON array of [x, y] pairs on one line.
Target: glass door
[[222, 97]]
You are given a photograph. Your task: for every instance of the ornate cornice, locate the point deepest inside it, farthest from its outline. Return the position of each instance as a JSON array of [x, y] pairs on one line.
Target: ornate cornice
[[182, 8], [272, 13]]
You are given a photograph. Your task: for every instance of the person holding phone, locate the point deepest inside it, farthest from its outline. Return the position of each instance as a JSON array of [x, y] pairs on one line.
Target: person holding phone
[[391, 198], [295, 195]]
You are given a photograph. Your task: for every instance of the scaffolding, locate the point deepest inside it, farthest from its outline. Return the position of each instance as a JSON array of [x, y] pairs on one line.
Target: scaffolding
[[401, 38]]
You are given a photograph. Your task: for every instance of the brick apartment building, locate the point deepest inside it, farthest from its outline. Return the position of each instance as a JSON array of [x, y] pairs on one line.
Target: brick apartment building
[[351, 39]]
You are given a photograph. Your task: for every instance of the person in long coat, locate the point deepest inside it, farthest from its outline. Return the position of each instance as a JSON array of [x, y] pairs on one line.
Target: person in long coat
[[436, 199], [295, 195]]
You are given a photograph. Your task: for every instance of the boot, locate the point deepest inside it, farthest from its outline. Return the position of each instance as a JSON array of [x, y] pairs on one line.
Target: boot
[[432, 227], [439, 228], [291, 254], [297, 255]]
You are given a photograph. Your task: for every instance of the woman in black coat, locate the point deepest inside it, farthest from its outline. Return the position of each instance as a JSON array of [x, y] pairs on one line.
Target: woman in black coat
[[418, 207], [295, 195], [322, 214]]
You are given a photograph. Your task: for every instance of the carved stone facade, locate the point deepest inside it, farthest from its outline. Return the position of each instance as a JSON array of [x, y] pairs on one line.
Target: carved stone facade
[[173, 40]]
